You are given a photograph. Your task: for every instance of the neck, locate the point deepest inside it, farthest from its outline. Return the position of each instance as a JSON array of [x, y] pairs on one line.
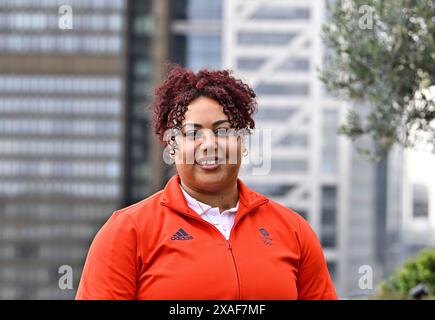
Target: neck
[[223, 199]]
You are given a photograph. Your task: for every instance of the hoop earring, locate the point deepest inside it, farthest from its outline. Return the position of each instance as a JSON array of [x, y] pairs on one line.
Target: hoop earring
[[172, 148], [172, 152]]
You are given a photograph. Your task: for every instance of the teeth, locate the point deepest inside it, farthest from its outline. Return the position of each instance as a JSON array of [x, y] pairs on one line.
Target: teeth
[[207, 162]]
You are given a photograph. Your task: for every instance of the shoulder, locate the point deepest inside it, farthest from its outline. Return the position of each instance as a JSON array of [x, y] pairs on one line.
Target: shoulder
[[292, 221], [138, 211], [126, 225], [130, 220], [287, 214]]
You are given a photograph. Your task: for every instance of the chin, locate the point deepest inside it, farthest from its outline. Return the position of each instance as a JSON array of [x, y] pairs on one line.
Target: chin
[[211, 181]]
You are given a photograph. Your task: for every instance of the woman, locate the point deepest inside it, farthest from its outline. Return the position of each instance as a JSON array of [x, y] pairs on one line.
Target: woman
[[206, 235]]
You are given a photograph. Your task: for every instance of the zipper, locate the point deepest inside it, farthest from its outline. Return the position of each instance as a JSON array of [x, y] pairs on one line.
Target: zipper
[[229, 246], [230, 249]]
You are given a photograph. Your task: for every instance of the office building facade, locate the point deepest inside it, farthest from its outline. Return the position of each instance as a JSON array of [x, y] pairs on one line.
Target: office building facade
[[74, 136]]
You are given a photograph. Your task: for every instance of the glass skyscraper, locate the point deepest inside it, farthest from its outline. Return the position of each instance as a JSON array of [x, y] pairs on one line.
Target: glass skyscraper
[[73, 132], [349, 201]]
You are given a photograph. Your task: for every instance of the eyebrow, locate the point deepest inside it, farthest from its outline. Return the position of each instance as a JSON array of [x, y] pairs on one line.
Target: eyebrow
[[196, 125]]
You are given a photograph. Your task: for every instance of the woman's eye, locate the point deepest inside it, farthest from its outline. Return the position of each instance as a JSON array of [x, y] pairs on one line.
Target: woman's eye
[[190, 134], [193, 134], [222, 132]]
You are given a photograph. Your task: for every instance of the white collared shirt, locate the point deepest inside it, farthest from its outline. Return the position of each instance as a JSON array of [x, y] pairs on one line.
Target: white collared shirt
[[224, 221]]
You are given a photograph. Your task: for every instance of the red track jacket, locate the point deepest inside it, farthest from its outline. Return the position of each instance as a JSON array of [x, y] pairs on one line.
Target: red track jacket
[[159, 248]]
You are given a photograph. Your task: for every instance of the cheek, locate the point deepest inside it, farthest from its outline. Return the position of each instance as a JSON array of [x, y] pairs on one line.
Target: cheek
[[234, 145], [184, 160], [185, 153]]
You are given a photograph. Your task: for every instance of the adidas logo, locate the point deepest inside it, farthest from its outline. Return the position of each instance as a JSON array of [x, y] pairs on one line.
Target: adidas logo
[[181, 235]]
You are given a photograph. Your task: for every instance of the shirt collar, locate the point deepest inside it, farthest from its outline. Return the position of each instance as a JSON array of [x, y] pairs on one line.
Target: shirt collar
[[173, 198], [202, 207]]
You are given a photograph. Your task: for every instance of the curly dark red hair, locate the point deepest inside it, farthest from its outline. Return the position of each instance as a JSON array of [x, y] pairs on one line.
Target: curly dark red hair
[[182, 86]]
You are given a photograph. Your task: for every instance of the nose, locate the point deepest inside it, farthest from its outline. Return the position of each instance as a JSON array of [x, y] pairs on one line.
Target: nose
[[209, 142]]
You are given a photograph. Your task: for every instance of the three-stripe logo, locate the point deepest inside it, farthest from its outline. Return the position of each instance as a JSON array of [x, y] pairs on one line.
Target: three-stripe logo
[[181, 235]]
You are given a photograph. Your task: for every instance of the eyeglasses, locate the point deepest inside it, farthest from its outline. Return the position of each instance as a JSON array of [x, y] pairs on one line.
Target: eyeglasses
[[193, 134]]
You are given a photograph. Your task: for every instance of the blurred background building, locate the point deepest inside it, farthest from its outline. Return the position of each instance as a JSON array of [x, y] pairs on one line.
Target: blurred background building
[[76, 141], [61, 138], [277, 48], [71, 151], [419, 207]]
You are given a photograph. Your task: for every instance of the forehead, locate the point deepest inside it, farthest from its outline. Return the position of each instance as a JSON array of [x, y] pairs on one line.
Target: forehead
[[204, 110]]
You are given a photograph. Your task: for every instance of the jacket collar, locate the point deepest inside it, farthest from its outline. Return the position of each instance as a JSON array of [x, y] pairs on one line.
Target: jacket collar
[[201, 207], [173, 198]]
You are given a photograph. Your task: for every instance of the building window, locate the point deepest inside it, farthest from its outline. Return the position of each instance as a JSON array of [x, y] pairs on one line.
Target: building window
[[249, 63], [272, 190], [332, 268], [204, 51], [420, 202], [295, 141], [280, 89], [303, 213], [329, 209], [275, 39], [329, 141], [296, 65], [276, 12], [205, 10], [287, 165], [274, 114]]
